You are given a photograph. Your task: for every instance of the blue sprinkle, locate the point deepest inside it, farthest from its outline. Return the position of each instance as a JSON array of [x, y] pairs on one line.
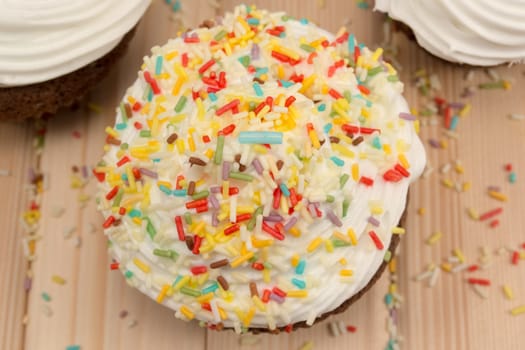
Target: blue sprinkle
[[286, 83], [134, 213], [298, 283], [388, 299], [124, 177], [376, 142], [150, 95], [284, 189], [158, 65], [73, 347], [165, 189], [179, 193], [121, 126], [282, 35], [212, 96], [260, 137], [176, 280], [327, 128], [454, 122], [156, 160], [299, 269], [361, 46], [512, 177], [253, 21], [210, 289], [337, 161], [321, 107], [351, 44], [303, 21], [257, 89]]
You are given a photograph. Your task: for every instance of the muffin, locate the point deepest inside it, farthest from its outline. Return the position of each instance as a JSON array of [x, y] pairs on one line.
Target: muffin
[[257, 172], [479, 33], [54, 52]]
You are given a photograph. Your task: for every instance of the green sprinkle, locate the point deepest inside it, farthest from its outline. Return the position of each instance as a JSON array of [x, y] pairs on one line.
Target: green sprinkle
[[392, 78], [187, 218], [374, 71], [124, 146], [307, 48], [46, 297], [245, 60], [123, 113], [512, 177], [388, 256], [201, 194], [217, 159], [73, 347], [149, 228], [162, 252], [190, 291], [180, 104], [145, 133], [493, 85], [267, 265], [343, 179], [220, 35], [338, 243], [330, 198], [118, 197], [251, 224], [128, 274], [241, 176], [346, 205], [347, 95]]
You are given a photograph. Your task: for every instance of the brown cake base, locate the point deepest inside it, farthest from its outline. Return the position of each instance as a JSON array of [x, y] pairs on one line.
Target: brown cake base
[[44, 99], [392, 248]]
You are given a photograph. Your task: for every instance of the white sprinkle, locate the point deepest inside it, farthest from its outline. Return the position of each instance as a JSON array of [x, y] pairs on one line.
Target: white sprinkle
[[57, 212], [428, 171], [445, 168], [5, 172], [493, 74], [77, 242], [423, 275], [479, 291], [516, 116], [433, 279], [470, 75], [132, 323], [460, 268], [46, 310], [68, 232], [334, 330], [248, 339]]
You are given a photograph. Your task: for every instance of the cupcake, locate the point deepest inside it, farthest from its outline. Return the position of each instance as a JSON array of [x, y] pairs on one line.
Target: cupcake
[[479, 33], [53, 52], [257, 172]]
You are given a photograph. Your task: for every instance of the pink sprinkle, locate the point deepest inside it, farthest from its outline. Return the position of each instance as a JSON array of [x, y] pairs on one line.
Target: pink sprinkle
[[407, 116], [333, 218], [373, 221], [226, 166], [258, 166], [290, 223]]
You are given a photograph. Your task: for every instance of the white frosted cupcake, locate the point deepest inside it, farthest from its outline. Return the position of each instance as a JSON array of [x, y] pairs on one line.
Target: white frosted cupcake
[[257, 171]]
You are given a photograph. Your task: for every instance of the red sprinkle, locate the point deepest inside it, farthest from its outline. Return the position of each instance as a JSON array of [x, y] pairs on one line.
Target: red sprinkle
[[114, 266], [184, 59], [480, 281], [351, 329], [197, 241], [137, 125], [494, 223], [100, 176], [363, 89], [266, 296], [180, 228], [257, 266], [243, 217], [227, 107], [402, 170], [288, 328], [377, 241], [123, 161], [198, 270], [122, 211], [206, 66], [231, 229], [392, 176], [227, 130], [335, 94], [112, 193], [279, 292], [191, 39], [202, 209], [289, 101], [273, 232], [515, 257], [109, 221], [206, 139], [136, 173], [473, 268], [490, 214], [136, 107], [366, 181], [508, 167], [448, 117], [196, 203], [276, 198], [279, 56]]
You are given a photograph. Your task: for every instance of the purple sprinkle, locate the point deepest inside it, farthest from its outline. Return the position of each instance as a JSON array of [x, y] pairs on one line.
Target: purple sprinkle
[[494, 188], [258, 166], [373, 221], [123, 313], [31, 174], [255, 52], [85, 172], [434, 143], [27, 284], [290, 223], [276, 298], [333, 218], [407, 116], [456, 105], [214, 219], [149, 173], [213, 201], [215, 189], [226, 166], [273, 218], [311, 209]]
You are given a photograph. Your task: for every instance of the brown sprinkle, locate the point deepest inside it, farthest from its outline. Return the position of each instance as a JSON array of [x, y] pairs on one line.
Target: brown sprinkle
[[191, 188], [219, 263], [189, 242], [127, 109], [259, 80], [279, 164], [220, 326], [172, 138], [197, 161], [357, 141], [207, 24], [253, 289], [74, 168], [113, 141], [334, 139], [222, 281]]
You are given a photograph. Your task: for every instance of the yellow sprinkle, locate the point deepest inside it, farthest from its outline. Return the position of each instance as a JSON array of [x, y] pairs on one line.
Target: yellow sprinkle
[[403, 160], [315, 140], [171, 55], [181, 283], [459, 169], [180, 145], [518, 310], [209, 153], [387, 149], [294, 231], [225, 189], [248, 317], [297, 294], [459, 254], [343, 150], [392, 265], [266, 276], [258, 302], [443, 144], [398, 230], [466, 186], [314, 244], [198, 228], [498, 195], [340, 236], [163, 293], [473, 214], [141, 265], [351, 235], [137, 221], [508, 292], [260, 149], [346, 272], [447, 183], [434, 238], [329, 246], [241, 259], [187, 312], [392, 288], [342, 261], [307, 83], [286, 51], [295, 260], [506, 85], [466, 109], [58, 280], [447, 267], [355, 172], [111, 132]]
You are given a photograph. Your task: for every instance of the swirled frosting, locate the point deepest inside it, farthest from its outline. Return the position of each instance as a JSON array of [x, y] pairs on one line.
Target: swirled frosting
[[476, 32], [44, 39], [257, 171]]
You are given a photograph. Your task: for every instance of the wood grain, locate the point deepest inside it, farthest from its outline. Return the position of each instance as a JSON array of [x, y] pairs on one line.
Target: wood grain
[[448, 316]]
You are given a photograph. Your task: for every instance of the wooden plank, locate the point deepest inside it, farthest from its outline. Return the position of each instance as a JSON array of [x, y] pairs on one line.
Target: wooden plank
[[86, 309], [16, 156]]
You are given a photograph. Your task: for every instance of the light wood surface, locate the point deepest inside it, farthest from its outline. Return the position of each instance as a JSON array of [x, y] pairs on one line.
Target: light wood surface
[[449, 315]]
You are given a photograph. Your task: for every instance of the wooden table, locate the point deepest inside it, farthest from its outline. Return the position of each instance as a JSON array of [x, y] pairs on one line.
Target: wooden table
[[86, 310]]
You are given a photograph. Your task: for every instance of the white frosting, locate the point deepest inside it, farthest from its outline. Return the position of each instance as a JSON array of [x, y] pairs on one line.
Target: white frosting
[[326, 288], [44, 39], [477, 32]]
